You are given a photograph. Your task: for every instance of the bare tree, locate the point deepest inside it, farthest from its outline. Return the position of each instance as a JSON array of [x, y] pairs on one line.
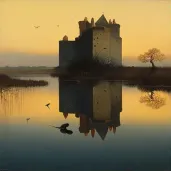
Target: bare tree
[[151, 56]]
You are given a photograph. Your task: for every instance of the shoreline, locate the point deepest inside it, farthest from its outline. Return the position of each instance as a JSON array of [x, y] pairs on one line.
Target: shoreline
[[120, 73], [7, 81], [134, 75]]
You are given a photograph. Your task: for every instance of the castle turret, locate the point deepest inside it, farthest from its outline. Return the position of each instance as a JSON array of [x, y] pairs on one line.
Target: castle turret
[[65, 115], [114, 129], [92, 22], [85, 19], [110, 21], [65, 38], [110, 128]]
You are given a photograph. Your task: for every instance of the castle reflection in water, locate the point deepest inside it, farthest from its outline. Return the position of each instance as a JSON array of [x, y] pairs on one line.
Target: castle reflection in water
[[98, 106]]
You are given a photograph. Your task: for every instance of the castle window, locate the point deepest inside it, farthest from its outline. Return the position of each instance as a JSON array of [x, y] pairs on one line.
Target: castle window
[[97, 38], [94, 45]]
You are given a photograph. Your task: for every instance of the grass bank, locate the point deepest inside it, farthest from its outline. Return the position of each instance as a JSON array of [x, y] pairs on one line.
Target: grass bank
[[140, 75], [6, 81]]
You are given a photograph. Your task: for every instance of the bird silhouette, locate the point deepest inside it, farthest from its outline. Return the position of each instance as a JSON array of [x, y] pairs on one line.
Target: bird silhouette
[[57, 25], [47, 105], [63, 126], [63, 129], [28, 119], [36, 27]]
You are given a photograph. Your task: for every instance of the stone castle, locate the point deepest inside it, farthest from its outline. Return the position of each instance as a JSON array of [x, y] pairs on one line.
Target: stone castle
[[99, 40]]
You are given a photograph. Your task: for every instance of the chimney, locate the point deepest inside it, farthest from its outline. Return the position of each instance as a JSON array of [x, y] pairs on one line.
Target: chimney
[[114, 22], [92, 22], [110, 21]]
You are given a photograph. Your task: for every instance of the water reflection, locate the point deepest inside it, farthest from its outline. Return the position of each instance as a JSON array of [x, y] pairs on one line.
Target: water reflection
[[154, 99], [63, 129], [97, 106], [142, 142]]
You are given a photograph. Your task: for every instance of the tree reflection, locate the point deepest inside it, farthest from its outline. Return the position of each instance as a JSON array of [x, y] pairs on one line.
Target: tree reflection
[[154, 99]]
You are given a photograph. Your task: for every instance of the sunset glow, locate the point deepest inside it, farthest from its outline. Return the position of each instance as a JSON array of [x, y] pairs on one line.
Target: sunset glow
[[144, 24]]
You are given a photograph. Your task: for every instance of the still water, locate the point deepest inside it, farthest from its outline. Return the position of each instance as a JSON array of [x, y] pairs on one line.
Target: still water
[[115, 128]]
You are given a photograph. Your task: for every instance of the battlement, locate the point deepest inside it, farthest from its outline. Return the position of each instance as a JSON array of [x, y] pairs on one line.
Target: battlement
[[101, 23]]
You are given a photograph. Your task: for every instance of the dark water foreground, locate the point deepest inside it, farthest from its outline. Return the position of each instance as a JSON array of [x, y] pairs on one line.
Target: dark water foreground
[[115, 127]]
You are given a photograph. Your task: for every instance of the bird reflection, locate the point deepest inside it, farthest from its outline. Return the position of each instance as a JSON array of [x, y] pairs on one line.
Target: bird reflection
[[47, 105], [36, 27], [66, 131], [28, 119], [63, 129]]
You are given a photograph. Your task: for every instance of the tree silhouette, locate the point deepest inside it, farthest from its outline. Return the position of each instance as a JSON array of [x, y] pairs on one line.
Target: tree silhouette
[[153, 99], [151, 56]]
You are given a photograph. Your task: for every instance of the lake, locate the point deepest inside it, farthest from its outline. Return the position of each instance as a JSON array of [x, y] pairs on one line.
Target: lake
[[115, 127]]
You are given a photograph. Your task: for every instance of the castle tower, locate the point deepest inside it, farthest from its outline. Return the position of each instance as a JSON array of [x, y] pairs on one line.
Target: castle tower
[[84, 25], [110, 21]]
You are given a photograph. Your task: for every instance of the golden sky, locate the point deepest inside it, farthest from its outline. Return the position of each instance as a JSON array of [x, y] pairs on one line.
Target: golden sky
[[144, 23]]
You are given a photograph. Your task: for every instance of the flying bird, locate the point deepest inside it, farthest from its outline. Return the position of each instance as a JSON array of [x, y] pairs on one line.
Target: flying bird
[[36, 27], [47, 105], [57, 25]]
